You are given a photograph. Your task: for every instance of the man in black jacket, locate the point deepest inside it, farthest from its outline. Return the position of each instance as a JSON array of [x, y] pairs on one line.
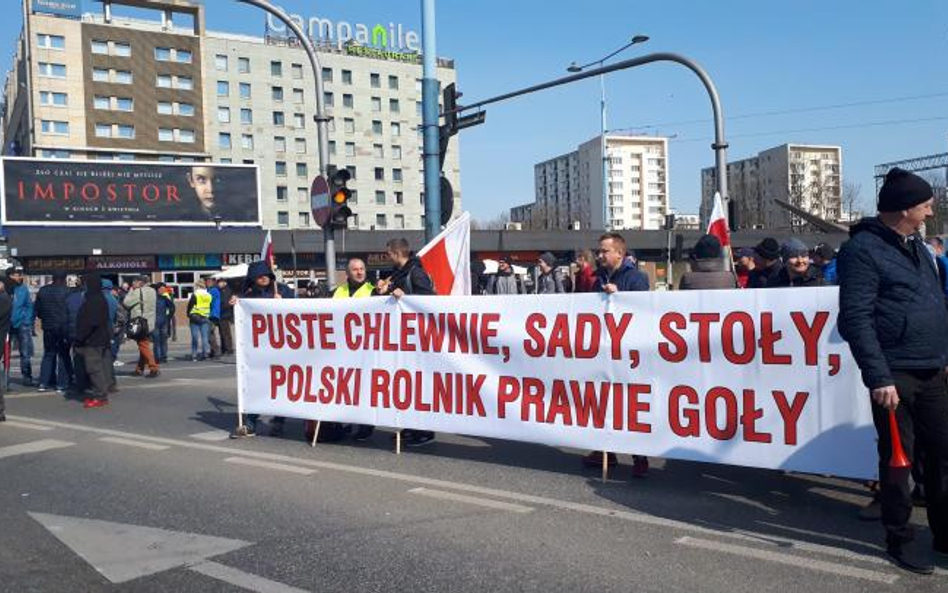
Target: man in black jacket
[[50, 307], [767, 264], [93, 340], [6, 309], [408, 277], [893, 314]]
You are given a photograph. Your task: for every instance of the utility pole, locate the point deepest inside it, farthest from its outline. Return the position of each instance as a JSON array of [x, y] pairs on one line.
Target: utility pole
[[430, 116]]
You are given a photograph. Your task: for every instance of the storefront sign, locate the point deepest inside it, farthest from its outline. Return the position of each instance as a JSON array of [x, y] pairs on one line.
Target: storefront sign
[[37, 192], [67, 8], [36, 265], [190, 261], [234, 259], [117, 262]]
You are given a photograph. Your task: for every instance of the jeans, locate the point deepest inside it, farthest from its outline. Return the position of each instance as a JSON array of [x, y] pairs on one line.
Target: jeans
[[57, 365], [24, 340], [922, 420], [160, 339], [200, 336]]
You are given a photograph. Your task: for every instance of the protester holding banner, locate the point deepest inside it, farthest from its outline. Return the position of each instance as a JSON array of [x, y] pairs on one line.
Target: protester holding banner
[[549, 281], [585, 278], [707, 267], [797, 270], [618, 273], [744, 266], [894, 316], [141, 303], [408, 277], [504, 281], [21, 321], [261, 283], [767, 264]]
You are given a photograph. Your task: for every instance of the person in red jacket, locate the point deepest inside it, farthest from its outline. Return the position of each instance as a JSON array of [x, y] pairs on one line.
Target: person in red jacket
[[586, 274]]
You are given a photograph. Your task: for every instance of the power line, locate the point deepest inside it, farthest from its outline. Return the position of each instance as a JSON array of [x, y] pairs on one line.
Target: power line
[[790, 111], [823, 128]]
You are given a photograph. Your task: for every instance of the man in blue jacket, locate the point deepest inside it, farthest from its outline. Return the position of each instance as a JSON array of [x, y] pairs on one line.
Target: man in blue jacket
[[21, 322], [894, 315]]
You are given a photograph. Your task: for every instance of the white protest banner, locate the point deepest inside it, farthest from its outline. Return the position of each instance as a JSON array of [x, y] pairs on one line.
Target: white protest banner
[[756, 377]]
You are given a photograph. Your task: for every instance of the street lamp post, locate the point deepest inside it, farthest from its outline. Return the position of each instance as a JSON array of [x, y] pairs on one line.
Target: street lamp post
[[574, 68], [322, 122]]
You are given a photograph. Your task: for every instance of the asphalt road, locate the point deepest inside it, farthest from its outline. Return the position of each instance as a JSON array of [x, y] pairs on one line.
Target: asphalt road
[[150, 495]]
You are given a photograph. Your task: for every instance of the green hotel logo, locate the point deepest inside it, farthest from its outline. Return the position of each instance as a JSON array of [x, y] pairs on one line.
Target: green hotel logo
[[379, 36], [395, 37]]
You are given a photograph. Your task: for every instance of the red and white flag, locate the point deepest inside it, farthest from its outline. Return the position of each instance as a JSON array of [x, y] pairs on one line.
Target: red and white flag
[[447, 259], [266, 253], [717, 226]]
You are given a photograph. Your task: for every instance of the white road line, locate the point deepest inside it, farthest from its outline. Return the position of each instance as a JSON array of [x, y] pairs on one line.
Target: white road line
[[211, 435], [132, 443], [484, 502], [610, 513], [33, 447], [293, 469], [839, 538], [746, 501], [241, 579], [789, 560], [25, 425], [29, 394]]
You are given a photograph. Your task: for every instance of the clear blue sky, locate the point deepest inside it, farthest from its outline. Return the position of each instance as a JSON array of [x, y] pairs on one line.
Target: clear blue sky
[[763, 56]]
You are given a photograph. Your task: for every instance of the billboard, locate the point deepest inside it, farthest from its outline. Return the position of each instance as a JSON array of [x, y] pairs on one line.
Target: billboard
[[43, 192], [67, 8]]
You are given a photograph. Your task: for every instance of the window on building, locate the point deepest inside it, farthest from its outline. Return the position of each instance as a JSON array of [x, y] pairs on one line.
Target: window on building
[[397, 175], [126, 131], [352, 172], [283, 218], [101, 102], [302, 195], [47, 41], [301, 146], [332, 148], [223, 88], [52, 70], [418, 110], [394, 106], [279, 143], [185, 135], [328, 99], [304, 219], [297, 71], [183, 56], [122, 50], [327, 74], [375, 80], [379, 174], [50, 126], [163, 54], [246, 116], [185, 83], [299, 121], [100, 75], [348, 101], [399, 198], [99, 47], [350, 149], [299, 96], [396, 129], [380, 222], [396, 152], [377, 127], [122, 76], [243, 65], [349, 125], [376, 104], [393, 82], [301, 170], [377, 151], [276, 68], [103, 130], [165, 135], [53, 99], [165, 108], [245, 90], [282, 193], [246, 141], [164, 81], [279, 119], [347, 77], [124, 104], [220, 62], [380, 198], [223, 140], [186, 109], [399, 221], [280, 168], [276, 93], [223, 115]]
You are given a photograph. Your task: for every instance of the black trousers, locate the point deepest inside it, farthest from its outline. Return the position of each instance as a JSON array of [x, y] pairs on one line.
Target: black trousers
[[94, 359], [922, 418]]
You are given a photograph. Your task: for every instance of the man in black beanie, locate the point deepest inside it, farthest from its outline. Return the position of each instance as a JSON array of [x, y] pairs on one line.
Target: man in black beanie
[[767, 264], [894, 315]]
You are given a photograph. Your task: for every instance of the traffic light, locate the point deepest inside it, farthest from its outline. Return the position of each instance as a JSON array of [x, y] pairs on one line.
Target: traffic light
[[449, 98], [339, 194]]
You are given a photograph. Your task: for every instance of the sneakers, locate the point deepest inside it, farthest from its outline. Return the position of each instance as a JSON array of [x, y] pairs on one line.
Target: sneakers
[[594, 459], [138, 373], [152, 374], [94, 403], [60, 391], [243, 431], [910, 556], [420, 439], [118, 363], [639, 466], [872, 511], [42, 388]]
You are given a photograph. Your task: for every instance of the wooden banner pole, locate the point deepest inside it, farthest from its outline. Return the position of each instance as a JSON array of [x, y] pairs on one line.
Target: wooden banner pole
[[315, 433]]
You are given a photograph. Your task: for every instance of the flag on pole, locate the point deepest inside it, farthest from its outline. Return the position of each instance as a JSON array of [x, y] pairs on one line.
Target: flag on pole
[[447, 259], [717, 226], [266, 253]]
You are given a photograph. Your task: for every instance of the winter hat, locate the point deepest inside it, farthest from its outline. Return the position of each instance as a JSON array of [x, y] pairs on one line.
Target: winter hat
[[549, 259], [903, 190], [768, 249], [707, 247], [825, 251], [793, 247], [744, 252]]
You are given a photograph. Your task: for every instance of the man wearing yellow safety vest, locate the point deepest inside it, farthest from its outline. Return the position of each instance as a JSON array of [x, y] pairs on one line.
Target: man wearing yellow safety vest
[[199, 318], [355, 286]]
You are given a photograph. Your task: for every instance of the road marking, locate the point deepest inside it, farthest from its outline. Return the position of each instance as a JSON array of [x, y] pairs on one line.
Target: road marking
[[29, 394], [25, 425], [746, 501], [484, 502], [211, 435], [838, 538], [242, 579], [293, 469], [33, 447], [789, 560], [131, 443], [610, 513]]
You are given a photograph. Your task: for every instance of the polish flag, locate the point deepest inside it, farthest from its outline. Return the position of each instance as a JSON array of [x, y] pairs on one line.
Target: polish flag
[[717, 226], [266, 253], [447, 259]]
